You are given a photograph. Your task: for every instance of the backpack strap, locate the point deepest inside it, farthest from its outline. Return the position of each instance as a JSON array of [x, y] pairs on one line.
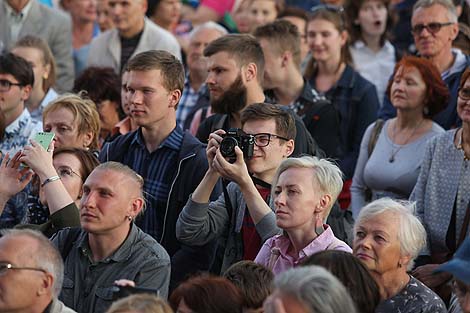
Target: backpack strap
[[374, 136]]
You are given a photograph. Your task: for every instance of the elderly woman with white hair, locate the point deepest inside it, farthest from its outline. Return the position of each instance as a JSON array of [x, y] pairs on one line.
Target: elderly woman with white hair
[[304, 190], [309, 289], [387, 239]]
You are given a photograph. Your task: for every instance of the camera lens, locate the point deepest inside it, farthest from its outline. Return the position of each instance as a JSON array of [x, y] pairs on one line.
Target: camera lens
[[227, 146]]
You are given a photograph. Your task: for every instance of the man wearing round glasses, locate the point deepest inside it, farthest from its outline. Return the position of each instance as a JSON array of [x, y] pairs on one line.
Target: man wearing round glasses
[[241, 218], [31, 273], [434, 27], [16, 80]]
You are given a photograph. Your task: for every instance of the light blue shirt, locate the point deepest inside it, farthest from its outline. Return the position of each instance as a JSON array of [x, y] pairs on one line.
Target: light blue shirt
[[19, 132]]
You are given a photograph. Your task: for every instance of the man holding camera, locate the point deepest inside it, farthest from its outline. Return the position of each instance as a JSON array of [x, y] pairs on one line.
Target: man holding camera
[[241, 218]]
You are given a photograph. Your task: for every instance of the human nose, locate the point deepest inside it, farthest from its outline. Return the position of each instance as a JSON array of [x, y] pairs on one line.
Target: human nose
[[210, 79], [136, 97], [88, 200], [280, 199]]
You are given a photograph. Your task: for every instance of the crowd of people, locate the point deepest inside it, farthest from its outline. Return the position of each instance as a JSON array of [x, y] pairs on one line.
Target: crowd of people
[[235, 156]]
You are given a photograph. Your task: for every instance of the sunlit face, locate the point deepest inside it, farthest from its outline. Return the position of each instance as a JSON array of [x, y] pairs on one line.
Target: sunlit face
[[167, 13], [105, 205], [128, 15], [198, 42], [65, 126], [18, 288], [11, 100], [266, 160], [150, 102], [69, 169], [297, 200], [372, 18], [223, 70], [463, 106], [82, 10], [408, 90], [272, 65], [325, 40], [301, 24], [104, 19], [433, 44], [36, 58], [263, 12], [377, 245], [242, 17]]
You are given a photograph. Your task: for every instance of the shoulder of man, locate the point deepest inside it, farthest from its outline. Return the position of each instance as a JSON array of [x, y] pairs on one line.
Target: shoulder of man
[[116, 149], [145, 241]]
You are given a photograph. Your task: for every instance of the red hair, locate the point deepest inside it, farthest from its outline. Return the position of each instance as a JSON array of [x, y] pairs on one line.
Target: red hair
[[464, 77], [437, 92]]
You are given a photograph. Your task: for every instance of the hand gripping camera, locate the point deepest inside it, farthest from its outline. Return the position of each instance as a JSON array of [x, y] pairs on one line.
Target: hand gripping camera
[[237, 137]]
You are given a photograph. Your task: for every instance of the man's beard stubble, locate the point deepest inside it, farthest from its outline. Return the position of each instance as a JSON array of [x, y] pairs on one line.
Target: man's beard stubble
[[231, 101]]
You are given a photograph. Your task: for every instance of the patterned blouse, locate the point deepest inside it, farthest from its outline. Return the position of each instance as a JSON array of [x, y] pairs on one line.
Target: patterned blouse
[[414, 298]]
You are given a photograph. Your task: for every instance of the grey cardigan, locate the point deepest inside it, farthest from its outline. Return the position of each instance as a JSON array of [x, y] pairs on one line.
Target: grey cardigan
[[437, 188], [200, 223]]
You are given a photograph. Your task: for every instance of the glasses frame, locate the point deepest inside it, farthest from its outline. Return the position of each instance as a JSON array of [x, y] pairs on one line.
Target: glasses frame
[[69, 168], [460, 95], [429, 27], [5, 266], [9, 84], [269, 138]]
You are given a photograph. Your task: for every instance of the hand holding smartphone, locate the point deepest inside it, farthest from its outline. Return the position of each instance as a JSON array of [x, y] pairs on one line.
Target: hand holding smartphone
[[44, 139]]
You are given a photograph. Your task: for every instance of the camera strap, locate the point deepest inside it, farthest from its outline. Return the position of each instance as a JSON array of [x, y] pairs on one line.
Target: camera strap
[[260, 182]]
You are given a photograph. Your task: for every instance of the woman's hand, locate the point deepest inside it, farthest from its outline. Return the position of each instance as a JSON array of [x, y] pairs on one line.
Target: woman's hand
[[13, 178], [39, 160]]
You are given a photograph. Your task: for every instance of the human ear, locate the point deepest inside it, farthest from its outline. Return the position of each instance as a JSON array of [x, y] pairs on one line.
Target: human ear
[[289, 147], [174, 97], [26, 92], [250, 71], [47, 283]]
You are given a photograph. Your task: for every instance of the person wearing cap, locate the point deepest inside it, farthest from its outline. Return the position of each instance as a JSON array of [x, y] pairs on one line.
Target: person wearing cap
[[459, 267]]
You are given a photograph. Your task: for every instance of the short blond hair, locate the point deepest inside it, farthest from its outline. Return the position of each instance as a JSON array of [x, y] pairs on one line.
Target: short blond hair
[[141, 303], [85, 113], [326, 175]]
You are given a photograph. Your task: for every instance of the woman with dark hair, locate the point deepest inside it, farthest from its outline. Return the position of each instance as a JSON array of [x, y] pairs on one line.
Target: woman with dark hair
[[103, 87], [329, 73], [442, 193], [208, 294], [352, 274], [165, 13], [373, 55], [36, 51], [60, 175], [392, 151]]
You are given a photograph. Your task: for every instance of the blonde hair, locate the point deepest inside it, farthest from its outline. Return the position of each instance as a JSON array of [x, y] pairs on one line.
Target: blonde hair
[[326, 175], [141, 303], [84, 112]]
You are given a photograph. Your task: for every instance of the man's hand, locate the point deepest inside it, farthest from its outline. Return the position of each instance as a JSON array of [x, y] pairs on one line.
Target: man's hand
[[213, 145], [426, 275], [237, 171]]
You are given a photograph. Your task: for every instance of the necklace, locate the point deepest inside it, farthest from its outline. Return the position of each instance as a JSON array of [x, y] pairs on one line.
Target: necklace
[[394, 152], [460, 145]]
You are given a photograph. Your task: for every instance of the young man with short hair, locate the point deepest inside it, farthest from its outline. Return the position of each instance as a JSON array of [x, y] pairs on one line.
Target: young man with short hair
[[109, 246], [241, 218]]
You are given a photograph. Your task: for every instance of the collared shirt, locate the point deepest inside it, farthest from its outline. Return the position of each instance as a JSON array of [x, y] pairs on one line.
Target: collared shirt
[[274, 252], [376, 67], [187, 101], [158, 170], [123, 127], [19, 132], [50, 96], [16, 19], [88, 285]]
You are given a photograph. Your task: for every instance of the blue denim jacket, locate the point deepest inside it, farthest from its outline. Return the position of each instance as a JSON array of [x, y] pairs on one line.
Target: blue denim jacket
[[356, 100]]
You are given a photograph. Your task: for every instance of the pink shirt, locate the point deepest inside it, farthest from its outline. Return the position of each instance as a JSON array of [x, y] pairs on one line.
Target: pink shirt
[[273, 253], [219, 6]]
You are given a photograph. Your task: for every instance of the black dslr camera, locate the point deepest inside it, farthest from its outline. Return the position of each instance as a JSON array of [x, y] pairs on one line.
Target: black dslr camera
[[237, 137]]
